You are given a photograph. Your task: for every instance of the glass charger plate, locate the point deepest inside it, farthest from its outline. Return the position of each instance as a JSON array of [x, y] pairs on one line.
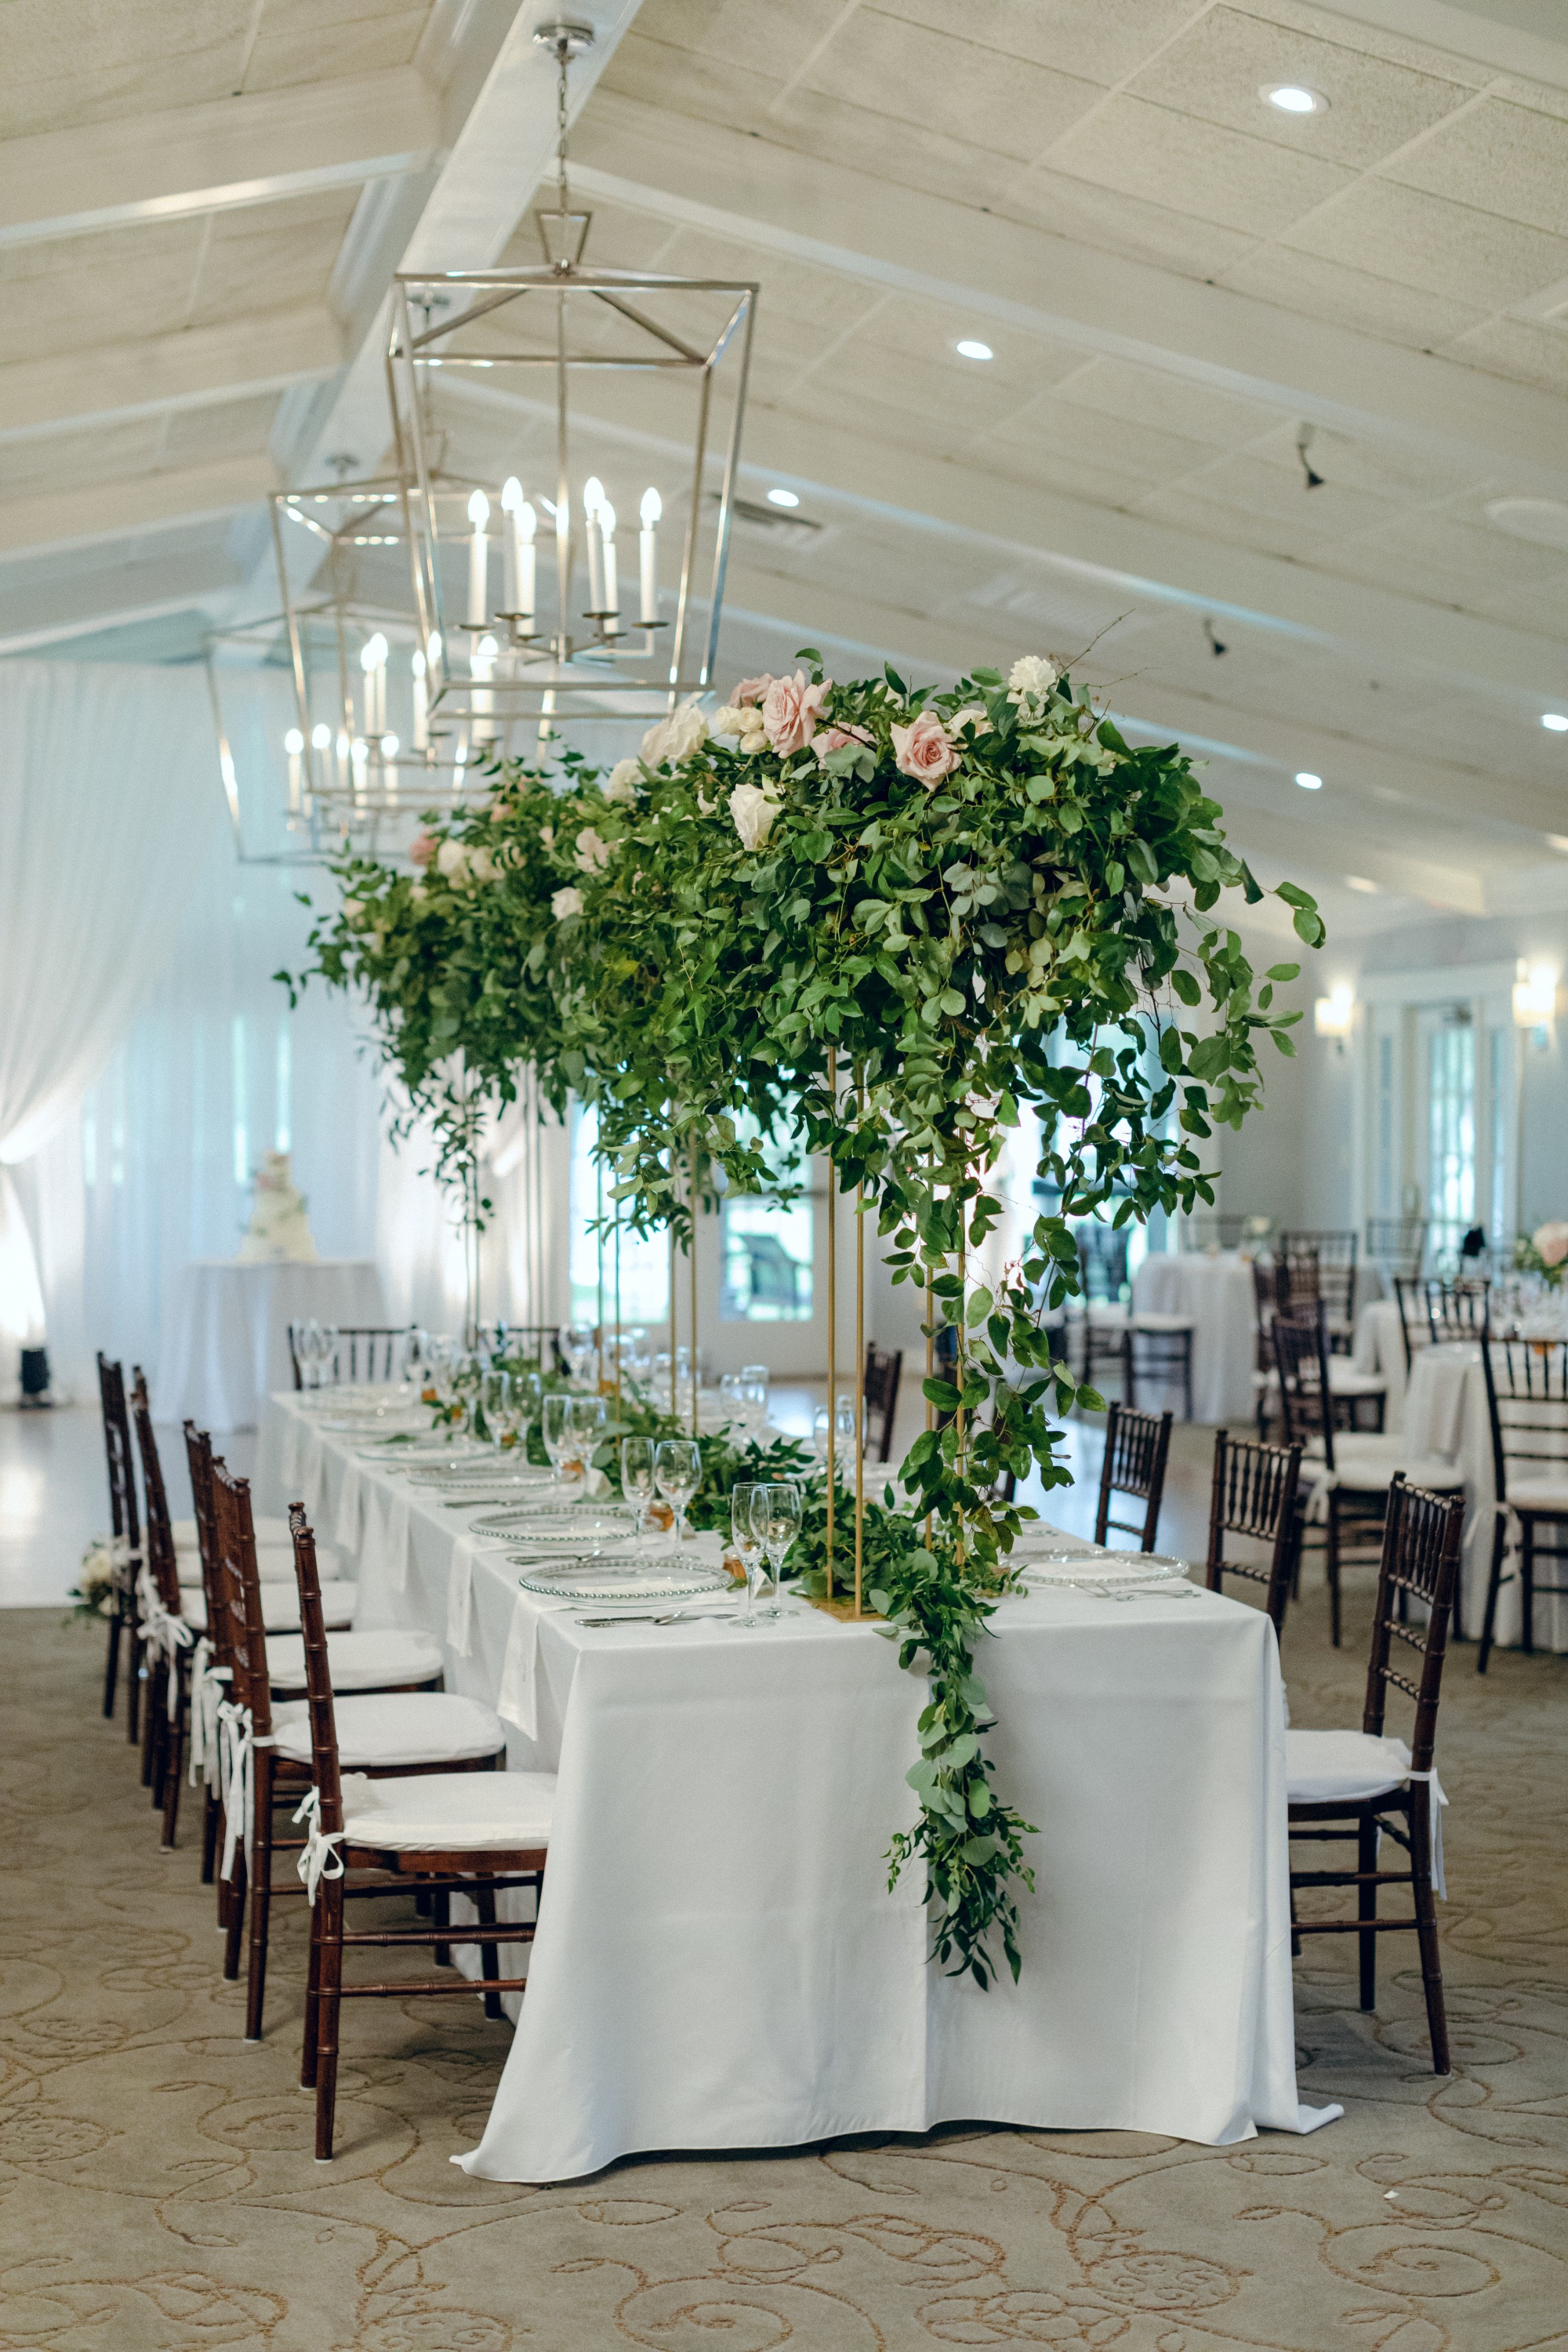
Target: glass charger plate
[[492, 1473], [631, 1580], [1105, 1568], [421, 1447], [587, 1527]]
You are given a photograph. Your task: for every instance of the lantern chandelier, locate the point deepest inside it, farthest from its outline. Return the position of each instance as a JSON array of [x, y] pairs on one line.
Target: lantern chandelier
[[530, 613]]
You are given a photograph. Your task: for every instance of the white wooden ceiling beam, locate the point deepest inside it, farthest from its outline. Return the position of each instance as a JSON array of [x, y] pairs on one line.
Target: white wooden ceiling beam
[[908, 241], [34, 613], [212, 157], [199, 367], [86, 514]]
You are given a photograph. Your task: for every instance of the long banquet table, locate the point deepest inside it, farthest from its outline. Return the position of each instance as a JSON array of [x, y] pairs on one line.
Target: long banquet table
[[719, 1962]]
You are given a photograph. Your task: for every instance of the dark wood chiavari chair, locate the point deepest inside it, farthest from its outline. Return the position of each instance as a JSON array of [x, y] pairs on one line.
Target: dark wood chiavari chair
[[1360, 1468], [126, 1535], [1103, 1277], [1527, 1403], [168, 1633], [1410, 1298], [1458, 1313], [1398, 1245], [1264, 1376], [881, 1395], [369, 1351], [535, 1343], [1256, 1494], [399, 1728], [1137, 1447], [433, 1835], [1336, 1283], [1420, 1563], [214, 1660]]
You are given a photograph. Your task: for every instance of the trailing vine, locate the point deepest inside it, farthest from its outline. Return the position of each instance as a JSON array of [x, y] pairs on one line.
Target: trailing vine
[[877, 922]]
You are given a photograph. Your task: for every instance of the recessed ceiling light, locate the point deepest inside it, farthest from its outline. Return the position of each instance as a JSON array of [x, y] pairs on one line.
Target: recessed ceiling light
[[1558, 841], [1308, 781], [969, 350], [1294, 97], [1557, 721], [1542, 522], [1360, 882], [783, 498]]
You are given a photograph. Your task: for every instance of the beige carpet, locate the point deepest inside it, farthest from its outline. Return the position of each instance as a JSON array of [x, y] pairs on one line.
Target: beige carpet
[[157, 2191]]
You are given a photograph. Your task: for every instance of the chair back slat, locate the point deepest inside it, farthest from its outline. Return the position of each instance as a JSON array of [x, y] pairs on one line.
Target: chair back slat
[[1102, 1263], [160, 1549], [1137, 1447], [1457, 1311], [240, 1587], [1255, 1493], [1301, 1357], [1420, 1561], [199, 1460], [881, 1394], [1223, 1227], [1335, 1256], [370, 1352], [123, 1518], [1527, 1404], [318, 1674], [1399, 1243]]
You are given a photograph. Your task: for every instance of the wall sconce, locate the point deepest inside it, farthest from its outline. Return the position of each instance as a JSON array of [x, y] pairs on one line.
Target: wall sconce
[[1535, 1000], [1334, 1015]]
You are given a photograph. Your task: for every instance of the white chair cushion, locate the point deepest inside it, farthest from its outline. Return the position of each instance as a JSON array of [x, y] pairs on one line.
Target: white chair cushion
[[272, 1566], [1162, 1322], [1366, 1464], [1108, 1318], [279, 1607], [1344, 1380], [479, 1811], [269, 1531], [1326, 1768], [1545, 1495], [395, 1728], [357, 1661]]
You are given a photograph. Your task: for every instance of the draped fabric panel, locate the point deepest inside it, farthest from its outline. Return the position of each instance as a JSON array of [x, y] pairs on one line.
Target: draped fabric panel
[[108, 799]]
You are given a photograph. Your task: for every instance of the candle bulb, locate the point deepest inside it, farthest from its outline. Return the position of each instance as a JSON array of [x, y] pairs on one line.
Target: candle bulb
[[612, 583], [525, 523], [478, 562], [321, 741], [510, 505], [648, 554], [294, 744], [342, 759], [593, 499], [421, 704], [482, 664]]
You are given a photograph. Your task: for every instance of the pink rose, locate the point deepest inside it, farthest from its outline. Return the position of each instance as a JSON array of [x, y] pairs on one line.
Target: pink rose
[[923, 750], [421, 849], [750, 689], [1552, 1243], [790, 712]]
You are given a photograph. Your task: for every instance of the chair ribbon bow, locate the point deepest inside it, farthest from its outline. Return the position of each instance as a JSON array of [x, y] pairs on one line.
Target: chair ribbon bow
[[1435, 1812], [163, 1631], [237, 1739], [206, 1692], [321, 1858]]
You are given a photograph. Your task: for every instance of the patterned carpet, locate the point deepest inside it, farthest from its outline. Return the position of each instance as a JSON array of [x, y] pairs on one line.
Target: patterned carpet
[[157, 2192]]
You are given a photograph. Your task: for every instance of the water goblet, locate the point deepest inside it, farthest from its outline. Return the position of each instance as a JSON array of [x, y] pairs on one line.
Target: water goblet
[[782, 1503], [329, 1352], [636, 1477], [677, 1473], [732, 1400], [560, 1439], [749, 1530], [753, 1394], [577, 1345], [495, 1405], [585, 1418]]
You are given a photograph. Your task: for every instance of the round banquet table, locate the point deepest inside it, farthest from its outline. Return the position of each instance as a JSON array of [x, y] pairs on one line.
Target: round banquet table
[[1217, 1294], [719, 1961], [225, 1330]]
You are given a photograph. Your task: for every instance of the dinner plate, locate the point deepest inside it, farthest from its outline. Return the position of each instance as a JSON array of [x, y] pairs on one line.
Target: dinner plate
[[631, 1581], [492, 1473], [1104, 1568], [587, 1528]]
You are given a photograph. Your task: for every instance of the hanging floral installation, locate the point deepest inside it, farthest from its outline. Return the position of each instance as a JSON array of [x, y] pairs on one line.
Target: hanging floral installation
[[877, 921]]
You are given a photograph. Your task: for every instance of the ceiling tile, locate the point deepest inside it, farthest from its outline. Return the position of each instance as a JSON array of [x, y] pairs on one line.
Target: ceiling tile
[[1498, 159], [770, 42], [1100, 40], [1042, 464], [1515, 348], [1216, 70], [229, 428], [924, 431], [915, 74], [705, 83], [1071, 430], [1344, 297], [1173, 404], [1442, 559], [1282, 529], [955, 396], [1427, 242], [76, 460], [82, 292], [271, 257], [1249, 482], [279, 17], [1144, 230], [1216, 175]]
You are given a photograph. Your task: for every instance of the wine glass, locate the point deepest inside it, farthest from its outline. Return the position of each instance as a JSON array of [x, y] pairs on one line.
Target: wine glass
[[639, 1356], [586, 1417], [495, 1405], [329, 1350], [417, 1363], [636, 1477], [577, 1343], [560, 1441], [753, 1394], [749, 1533], [781, 1508], [732, 1400], [677, 1473]]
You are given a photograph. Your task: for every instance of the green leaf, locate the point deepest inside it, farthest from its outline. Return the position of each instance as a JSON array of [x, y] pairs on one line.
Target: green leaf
[[1186, 987]]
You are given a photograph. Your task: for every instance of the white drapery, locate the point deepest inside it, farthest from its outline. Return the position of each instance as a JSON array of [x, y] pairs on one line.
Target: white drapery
[[108, 799]]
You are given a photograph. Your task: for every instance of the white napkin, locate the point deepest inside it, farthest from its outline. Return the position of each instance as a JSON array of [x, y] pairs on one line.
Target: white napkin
[[461, 1595], [518, 1700], [351, 1501], [395, 1535]]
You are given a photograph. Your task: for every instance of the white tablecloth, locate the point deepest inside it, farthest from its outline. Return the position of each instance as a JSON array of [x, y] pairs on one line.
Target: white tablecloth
[[719, 1963], [1446, 1412], [225, 1332], [1216, 1293], [1379, 1346]]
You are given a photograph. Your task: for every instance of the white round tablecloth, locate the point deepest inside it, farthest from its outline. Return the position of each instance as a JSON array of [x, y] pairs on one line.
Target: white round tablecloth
[[1379, 1346], [225, 1332], [1216, 1293]]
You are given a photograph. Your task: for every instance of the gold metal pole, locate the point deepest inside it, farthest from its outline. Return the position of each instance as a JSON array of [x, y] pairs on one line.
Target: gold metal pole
[[618, 1349], [692, 1248], [832, 1317], [599, 1260], [859, 1387], [930, 1342]]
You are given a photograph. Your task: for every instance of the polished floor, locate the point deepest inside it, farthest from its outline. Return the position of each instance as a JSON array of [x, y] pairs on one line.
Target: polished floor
[[157, 2192]]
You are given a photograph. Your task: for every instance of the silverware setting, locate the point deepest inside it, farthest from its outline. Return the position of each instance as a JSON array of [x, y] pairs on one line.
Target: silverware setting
[[647, 1617]]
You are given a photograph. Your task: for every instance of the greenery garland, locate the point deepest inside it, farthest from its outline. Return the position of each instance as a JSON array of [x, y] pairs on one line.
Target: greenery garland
[[872, 921]]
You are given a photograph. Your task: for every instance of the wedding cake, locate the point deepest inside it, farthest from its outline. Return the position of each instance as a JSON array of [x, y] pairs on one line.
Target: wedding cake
[[278, 1227]]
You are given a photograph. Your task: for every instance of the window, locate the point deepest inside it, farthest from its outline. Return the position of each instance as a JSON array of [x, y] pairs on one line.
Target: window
[[644, 1258], [1451, 1100], [767, 1262]]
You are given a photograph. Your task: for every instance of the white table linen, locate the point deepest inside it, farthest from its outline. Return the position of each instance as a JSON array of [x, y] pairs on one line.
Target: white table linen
[[1379, 1346], [225, 1332], [719, 1962], [1217, 1295]]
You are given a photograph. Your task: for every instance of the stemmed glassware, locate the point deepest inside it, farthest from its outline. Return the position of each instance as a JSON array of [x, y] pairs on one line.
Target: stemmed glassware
[[781, 1514], [749, 1532], [417, 1366], [636, 1477], [578, 1343], [753, 1398], [677, 1473], [586, 1417], [495, 1403], [559, 1440], [843, 1433]]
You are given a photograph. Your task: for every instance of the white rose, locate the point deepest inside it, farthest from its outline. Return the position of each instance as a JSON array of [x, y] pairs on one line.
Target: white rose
[[752, 744], [676, 738], [547, 837], [419, 893], [622, 782], [754, 812], [566, 902], [731, 719], [971, 716], [451, 860], [593, 851], [352, 909], [482, 866], [1031, 678]]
